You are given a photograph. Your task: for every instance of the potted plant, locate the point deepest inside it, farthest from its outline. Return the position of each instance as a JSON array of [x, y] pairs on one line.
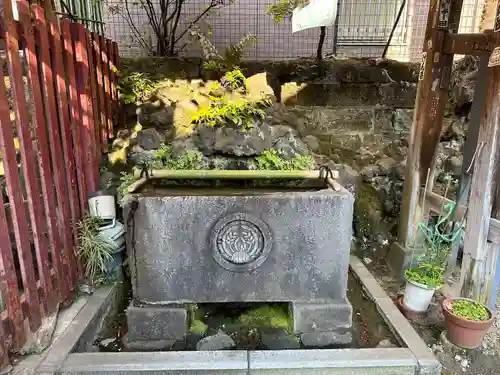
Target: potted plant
[[467, 321], [426, 272], [421, 283]]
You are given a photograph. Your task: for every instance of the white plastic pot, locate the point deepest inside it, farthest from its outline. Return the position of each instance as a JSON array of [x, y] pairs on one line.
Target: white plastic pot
[[102, 204], [417, 296]]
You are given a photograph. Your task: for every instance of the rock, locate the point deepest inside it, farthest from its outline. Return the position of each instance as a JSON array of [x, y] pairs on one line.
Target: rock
[[279, 339], [137, 155], [367, 260], [349, 177], [37, 342], [312, 142], [150, 139], [156, 114], [110, 345], [369, 172], [386, 165], [86, 288], [219, 341], [118, 144], [454, 165], [325, 339], [386, 343]]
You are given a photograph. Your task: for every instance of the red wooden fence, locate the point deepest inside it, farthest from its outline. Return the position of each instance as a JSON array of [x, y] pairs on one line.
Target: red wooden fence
[[57, 105]]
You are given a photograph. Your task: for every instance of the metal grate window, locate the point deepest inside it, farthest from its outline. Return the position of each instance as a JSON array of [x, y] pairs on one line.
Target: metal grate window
[[88, 12], [369, 22]]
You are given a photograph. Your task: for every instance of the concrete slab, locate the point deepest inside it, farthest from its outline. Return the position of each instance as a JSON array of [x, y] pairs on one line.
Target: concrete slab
[[167, 363], [335, 361]]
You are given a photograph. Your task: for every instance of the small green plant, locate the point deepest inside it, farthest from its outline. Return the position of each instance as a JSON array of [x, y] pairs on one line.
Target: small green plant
[[126, 180], [135, 87], [430, 275], [272, 160], [93, 250], [231, 57], [191, 159], [470, 310], [234, 80], [240, 113]]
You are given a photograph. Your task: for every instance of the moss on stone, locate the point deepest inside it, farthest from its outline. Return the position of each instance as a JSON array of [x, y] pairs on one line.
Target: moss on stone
[[267, 316], [368, 211], [197, 327]]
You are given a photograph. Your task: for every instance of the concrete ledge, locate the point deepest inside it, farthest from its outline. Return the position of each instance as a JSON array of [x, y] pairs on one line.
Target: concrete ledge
[[335, 361], [402, 329], [66, 342], [179, 363]]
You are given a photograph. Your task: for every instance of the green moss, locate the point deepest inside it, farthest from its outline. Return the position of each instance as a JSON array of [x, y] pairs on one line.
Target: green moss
[[197, 327], [368, 210], [191, 159], [270, 316], [272, 160]]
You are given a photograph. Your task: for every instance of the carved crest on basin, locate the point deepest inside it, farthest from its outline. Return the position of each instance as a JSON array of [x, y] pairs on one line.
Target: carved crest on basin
[[240, 242]]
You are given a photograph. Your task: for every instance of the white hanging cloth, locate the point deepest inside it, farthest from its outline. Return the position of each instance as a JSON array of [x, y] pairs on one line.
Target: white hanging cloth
[[315, 14]]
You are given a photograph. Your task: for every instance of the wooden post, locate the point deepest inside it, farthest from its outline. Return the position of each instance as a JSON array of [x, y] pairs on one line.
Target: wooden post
[[480, 256], [432, 96]]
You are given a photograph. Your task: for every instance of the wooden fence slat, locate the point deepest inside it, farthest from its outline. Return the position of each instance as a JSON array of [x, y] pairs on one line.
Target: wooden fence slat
[[8, 278], [20, 223], [116, 56], [83, 89], [55, 145], [42, 153], [69, 62], [100, 90], [67, 145], [107, 84], [94, 108], [112, 78]]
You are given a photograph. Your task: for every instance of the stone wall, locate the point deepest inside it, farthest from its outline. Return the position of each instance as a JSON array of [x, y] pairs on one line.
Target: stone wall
[[354, 115]]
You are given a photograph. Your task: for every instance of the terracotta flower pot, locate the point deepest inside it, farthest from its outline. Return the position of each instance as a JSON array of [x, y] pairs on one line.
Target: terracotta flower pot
[[467, 334]]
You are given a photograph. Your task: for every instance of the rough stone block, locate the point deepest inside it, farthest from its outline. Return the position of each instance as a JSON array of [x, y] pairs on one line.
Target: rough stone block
[[160, 323], [328, 121], [324, 339], [321, 317]]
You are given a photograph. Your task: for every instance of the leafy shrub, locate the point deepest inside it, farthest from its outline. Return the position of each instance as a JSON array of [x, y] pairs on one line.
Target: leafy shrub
[[135, 87], [470, 310], [272, 160], [427, 274], [284, 9], [241, 113], [231, 57], [93, 250], [234, 80]]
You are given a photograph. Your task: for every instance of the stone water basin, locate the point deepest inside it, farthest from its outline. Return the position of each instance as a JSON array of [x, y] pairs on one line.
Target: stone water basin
[[192, 245]]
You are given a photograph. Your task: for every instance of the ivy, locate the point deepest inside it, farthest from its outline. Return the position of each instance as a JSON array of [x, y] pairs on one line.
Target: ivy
[[126, 180]]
